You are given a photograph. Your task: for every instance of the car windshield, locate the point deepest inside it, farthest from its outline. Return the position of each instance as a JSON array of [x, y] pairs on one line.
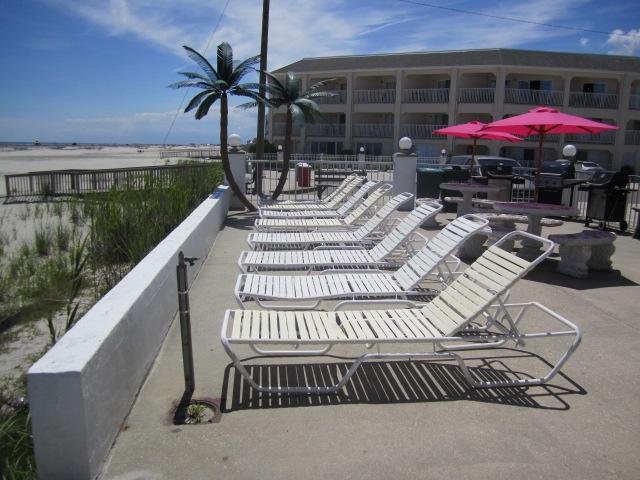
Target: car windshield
[[486, 162]]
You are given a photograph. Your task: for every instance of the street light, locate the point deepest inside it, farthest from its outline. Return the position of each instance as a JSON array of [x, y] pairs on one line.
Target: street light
[[569, 151], [234, 140], [405, 144]]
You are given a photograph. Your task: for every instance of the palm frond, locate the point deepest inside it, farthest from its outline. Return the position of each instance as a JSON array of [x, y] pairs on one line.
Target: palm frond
[[192, 75], [248, 105], [225, 61], [296, 113], [307, 104], [241, 92], [202, 62], [317, 86], [293, 84], [191, 83], [203, 109], [320, 94], [243, 68], [195, 101], [273, 80]]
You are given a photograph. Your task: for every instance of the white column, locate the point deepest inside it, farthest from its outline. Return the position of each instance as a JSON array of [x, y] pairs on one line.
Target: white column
[[397, 107], [348, 114], [404, 177], [238, 169]]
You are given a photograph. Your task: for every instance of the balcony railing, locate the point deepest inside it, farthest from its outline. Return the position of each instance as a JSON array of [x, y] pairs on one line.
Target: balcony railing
[[477, 95], [326, 129], [425, 95], [337, 97], [632, 137], [420, 131], [378, 95], [376, 130], [605, 138], [279, 127], [547, 138], [593, 100], [634, 102], [522, 96]]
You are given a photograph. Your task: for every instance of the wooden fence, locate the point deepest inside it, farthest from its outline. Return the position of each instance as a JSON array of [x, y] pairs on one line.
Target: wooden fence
[[78, 182]]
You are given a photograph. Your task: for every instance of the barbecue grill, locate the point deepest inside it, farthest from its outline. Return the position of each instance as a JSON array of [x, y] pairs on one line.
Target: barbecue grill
[[607, 200], [554, 177]]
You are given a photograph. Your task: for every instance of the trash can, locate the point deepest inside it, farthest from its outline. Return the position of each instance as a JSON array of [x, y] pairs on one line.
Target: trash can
[[505, 183], [303, 174], [428, 182]]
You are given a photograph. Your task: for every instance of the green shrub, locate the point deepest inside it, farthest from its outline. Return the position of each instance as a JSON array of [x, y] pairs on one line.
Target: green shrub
[[42, 240], [62, 236], [16, 446]]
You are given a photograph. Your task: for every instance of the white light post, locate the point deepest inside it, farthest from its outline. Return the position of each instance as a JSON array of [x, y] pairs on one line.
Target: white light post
[[404, 171]]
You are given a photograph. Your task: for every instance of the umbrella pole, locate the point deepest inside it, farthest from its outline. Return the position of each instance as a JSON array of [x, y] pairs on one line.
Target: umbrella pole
[[538, 166]]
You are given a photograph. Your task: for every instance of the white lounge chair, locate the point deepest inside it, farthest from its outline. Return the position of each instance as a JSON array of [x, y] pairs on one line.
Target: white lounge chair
[[333, 200], [376, 192], [472, 313], [342, 211], [432, 262], [365, 235], [356, 256]]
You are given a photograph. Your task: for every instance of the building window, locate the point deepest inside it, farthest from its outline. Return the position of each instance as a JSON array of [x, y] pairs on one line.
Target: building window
[[594, 88]]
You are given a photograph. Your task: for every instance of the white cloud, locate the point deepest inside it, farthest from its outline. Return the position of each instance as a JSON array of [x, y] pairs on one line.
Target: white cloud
[[624, 43], [584, 42]]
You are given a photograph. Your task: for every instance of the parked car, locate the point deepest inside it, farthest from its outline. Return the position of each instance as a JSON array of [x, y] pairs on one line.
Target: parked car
[[487, 163], [588, 167]]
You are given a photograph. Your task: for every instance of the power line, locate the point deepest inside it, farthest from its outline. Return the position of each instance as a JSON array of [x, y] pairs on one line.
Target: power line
[[215, 29], [520, 20]]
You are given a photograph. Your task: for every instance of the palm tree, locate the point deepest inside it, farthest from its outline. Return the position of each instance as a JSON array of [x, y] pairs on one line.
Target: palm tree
[[217, 84], [301, 108]]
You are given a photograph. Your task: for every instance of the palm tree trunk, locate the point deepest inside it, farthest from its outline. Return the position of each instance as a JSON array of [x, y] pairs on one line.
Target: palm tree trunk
[[224, 153], [286, 155]]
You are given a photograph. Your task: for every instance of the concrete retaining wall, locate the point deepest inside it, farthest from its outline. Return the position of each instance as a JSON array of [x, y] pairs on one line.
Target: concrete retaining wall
[[82, 389]]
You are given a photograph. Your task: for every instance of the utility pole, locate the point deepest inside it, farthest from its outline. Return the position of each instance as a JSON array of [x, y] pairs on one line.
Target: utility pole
[[261, 107]]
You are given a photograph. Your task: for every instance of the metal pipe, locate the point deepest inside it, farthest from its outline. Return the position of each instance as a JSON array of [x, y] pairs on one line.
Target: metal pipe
[[185, 322]]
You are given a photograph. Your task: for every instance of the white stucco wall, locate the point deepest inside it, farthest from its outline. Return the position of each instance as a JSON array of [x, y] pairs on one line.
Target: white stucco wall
[[82, 389]]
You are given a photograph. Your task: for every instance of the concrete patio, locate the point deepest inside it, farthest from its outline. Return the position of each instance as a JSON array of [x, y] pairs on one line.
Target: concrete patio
[[402, 419]]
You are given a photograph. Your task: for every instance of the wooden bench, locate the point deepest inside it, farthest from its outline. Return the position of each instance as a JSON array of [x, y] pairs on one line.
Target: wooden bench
[[579, 252]]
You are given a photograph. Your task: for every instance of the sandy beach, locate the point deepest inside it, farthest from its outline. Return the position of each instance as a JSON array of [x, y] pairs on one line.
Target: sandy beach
[[38, 158]]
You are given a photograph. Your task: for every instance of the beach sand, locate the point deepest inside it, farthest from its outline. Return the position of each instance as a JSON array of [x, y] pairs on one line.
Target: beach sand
[[42, 158]]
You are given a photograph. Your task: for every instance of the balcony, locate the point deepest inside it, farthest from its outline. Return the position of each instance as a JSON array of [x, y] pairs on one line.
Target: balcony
[[547, 138], [522, 96], [326, 129], [425, 95], [420, 131], [374, 130], [378, 95], [634, 102], [593, 100], [279, 127], [337, 97], [632, 137], [603, 138], [477, 95]]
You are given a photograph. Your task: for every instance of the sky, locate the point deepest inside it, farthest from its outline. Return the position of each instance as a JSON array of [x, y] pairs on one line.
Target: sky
[[97, 71]]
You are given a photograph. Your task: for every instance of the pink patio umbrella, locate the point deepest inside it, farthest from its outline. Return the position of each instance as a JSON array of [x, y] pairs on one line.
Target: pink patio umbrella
[[474, 130], [542, 121]]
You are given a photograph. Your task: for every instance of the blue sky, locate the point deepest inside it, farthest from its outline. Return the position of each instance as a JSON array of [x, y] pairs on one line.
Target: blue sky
[[97, 70]]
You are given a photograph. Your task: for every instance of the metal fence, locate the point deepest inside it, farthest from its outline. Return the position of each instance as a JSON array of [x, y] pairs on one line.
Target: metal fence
[[77, 182], [191, 153], [314, 176]]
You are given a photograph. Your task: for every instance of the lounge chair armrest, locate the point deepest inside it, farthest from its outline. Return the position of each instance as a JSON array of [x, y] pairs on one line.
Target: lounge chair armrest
[[339, 247], [350, 270], [398, 302]]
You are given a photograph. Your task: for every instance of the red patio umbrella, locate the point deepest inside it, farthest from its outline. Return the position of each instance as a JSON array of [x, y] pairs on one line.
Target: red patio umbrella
[[474, 130], [545, 120]]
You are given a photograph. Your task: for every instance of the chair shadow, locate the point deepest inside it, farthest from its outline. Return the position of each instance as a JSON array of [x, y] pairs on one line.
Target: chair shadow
[[545, 272], [392, 382], [240, 220]]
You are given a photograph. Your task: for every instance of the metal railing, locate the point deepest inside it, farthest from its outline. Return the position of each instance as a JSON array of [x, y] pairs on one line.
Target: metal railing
[[605, 138], [78, 182], [593, 100], [325, 129], [377, 95], [632, 137], [191, 153], [337, 97], [476, 95], [525, 96], [634, 102], [552, 138], [312, 179], [375, 130], [425, 95], [420, 131]]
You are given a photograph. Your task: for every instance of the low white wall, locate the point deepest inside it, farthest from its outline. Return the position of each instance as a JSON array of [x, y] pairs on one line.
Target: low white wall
[[82, 389]]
